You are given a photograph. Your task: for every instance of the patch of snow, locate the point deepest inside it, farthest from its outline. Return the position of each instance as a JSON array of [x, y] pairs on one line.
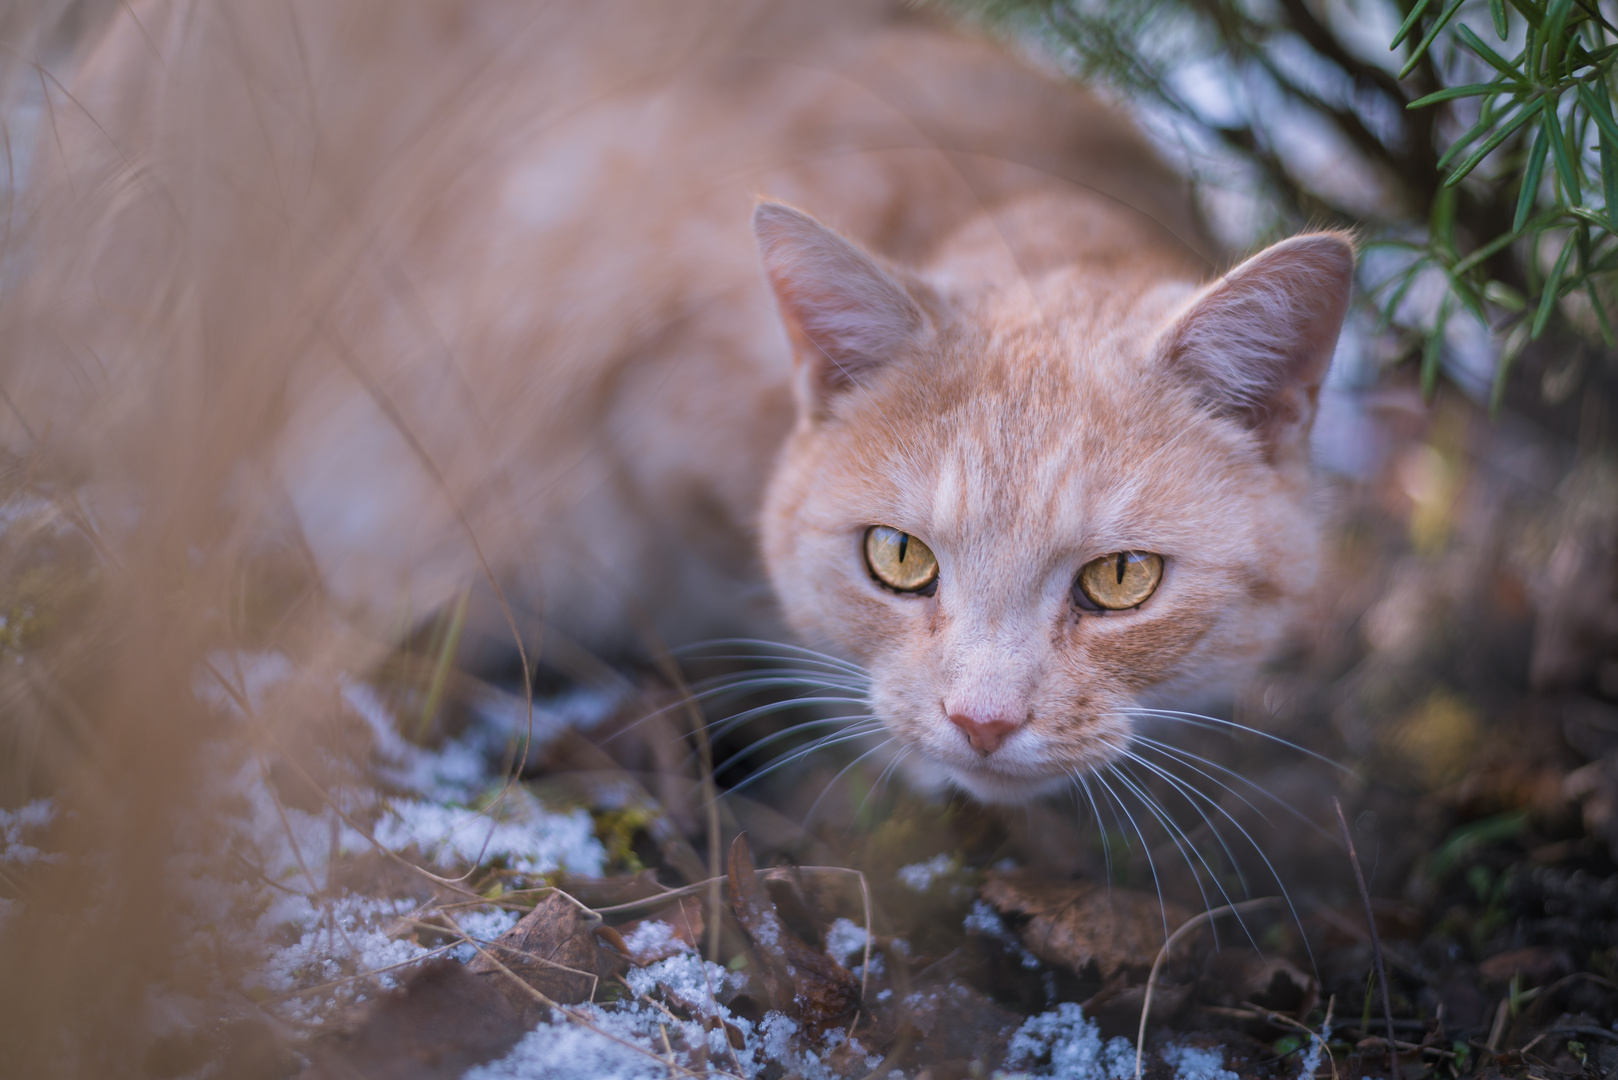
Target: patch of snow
[[17, 828], [844, 941], [485, 925], [986, 921], [697, 984], [920, 876], [1317, 1044], [1065, 1043], [1195, 1063], [567, 1050], [765, 933], [525, 836], [652, 937], [345, 935]]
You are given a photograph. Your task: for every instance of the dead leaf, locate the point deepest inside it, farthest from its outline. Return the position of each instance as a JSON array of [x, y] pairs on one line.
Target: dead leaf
[[1239, 977], [951, 1024], [804, 983], [1078, 923], [1537, 966], [552, 950]]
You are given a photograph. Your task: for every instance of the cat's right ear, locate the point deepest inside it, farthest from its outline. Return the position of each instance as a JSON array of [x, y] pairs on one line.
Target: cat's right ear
[[1256, 344], [846, 315]]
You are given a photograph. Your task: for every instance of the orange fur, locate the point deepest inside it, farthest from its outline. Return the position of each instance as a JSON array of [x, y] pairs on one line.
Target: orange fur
[[471, 290]]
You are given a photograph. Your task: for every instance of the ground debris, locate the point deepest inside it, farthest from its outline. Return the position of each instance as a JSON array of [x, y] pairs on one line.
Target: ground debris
[[441, 1022], [553, 951], [802, 982], [1077, 924]]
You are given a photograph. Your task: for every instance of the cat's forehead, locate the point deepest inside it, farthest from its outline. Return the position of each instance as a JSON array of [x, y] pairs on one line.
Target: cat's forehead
[[1042, 438]]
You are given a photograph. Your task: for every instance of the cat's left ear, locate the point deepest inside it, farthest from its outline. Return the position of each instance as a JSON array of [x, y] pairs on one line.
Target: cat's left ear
[[846, 314], [1256, 344]]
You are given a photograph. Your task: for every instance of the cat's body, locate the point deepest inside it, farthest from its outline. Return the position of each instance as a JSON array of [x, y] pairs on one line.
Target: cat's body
[[474, 292]]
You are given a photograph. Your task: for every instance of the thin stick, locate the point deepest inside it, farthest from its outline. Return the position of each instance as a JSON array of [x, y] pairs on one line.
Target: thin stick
[[1189, 925], [1376, 943], [568, 1014]]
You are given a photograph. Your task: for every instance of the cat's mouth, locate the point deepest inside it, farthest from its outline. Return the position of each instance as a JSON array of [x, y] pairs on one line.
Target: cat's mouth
[[988, 784]]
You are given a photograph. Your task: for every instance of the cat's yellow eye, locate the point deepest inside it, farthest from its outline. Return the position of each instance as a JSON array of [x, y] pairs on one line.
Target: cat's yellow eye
[[1119, 581], [900, 561]]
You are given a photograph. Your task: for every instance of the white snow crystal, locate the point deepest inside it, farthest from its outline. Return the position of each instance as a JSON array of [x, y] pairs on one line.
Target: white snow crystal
[[986, 921], [18, 826], [1311, 1060], [919, 876], [845, 941], [1194, 1063], [689, 980], [348, 934], [565, 1050], [652, 937], [485, 925], [1063, 1043], [531, 840]]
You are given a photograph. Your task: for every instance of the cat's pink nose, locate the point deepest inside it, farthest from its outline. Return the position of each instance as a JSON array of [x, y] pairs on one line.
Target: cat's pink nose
[[985, 732]]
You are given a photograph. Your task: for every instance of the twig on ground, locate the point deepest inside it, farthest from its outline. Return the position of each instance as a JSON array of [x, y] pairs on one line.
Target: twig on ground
[[1497, 1030], [572, 1017], [1376, 943], [429, 954], [1187, 927]]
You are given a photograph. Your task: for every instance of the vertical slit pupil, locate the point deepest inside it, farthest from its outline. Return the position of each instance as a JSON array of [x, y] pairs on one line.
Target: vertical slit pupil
[[1123, 561], [904, 546]]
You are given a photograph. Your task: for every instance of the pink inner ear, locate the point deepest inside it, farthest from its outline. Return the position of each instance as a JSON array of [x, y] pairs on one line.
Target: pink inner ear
[[846, 312], [1257, 344]]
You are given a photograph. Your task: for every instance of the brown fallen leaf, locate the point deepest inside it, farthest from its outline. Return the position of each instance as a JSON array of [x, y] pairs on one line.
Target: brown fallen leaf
[[950, 1024], [804, 983], [1240, 978], [553, 950], [1536, 966], [1075, 924]]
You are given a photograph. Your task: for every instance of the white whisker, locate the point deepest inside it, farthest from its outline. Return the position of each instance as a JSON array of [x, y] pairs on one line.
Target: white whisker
[[1145, 848], [864, 723], [1198, 720], [1178, 838]]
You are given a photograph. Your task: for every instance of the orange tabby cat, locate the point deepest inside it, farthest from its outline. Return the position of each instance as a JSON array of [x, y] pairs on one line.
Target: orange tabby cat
[[470, 291]]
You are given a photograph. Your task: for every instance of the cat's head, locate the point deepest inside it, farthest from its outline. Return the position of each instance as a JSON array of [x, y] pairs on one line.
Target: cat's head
[[1027, 511]]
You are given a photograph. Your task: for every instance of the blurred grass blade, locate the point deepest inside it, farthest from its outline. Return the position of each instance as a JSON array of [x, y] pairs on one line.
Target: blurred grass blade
[[1442, 222], [1433, 350], [1485, 251], [1453, 92], [1553, 285], [1409, 23], [1391, 308], [1486, 120], [1505, 67], [1500, 136], [1497, 11], [1600, 110], [1530, 180], [1601, 312], [1427, 39], [1509, 351], [1556, 37], [1469, 296], [1531, 11], [1566, 171]]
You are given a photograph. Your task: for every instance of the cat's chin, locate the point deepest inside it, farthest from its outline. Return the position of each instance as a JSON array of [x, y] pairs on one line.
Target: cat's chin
[[984, 785]]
